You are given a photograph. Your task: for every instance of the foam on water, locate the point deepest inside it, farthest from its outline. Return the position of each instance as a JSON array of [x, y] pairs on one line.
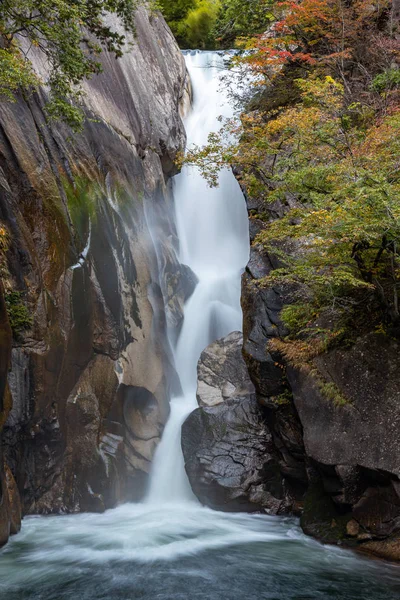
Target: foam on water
[[91, 556]]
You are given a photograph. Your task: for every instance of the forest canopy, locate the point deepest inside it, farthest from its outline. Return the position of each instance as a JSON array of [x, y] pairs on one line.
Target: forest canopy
[[215, 23]]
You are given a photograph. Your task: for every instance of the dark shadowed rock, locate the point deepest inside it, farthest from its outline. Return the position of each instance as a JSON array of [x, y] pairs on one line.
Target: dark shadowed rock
[[10, 506], [229, 457], [229, 453], [354, 444], [363, 429], [261, 323]]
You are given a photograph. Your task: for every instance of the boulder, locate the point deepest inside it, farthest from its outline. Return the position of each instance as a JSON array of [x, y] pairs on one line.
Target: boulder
[[222, 372], [229, 457], [228, 450]]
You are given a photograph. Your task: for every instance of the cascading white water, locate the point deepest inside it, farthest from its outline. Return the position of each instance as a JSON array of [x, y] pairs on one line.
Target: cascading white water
[[212, 228]]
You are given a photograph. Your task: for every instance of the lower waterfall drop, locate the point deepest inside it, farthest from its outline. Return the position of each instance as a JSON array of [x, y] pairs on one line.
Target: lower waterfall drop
[[214, 242]]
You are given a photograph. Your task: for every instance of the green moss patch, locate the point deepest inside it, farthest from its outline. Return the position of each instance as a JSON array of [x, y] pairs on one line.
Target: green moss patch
[[18, 313]]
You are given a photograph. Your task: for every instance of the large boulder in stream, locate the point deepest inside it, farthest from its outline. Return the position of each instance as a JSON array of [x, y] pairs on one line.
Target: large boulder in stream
[[228, 450], [222, 372]]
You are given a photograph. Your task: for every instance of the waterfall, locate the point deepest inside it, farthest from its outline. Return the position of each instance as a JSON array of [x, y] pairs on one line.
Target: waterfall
[[212, 228], [171, 547]]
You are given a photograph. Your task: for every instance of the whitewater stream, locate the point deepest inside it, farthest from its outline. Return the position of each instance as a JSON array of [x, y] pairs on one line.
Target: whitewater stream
[[170, 547]]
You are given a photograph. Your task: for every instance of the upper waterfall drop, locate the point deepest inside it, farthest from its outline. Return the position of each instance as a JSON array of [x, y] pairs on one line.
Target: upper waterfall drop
[[212, 227], [212, 224]]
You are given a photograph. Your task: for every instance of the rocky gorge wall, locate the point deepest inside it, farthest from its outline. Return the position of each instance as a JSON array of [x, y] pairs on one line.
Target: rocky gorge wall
[[341, 448], [90, 269], [281, 443]]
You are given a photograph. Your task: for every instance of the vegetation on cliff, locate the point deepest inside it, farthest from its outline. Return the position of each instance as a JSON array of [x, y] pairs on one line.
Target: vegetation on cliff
[[18, 313], [320, 140], [71, 35]]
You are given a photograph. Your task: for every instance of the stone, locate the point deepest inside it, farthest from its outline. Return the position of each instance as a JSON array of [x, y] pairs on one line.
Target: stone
[[364, 431], [222, 372], [229, 454], [228, 457], [96, 279], [352, 528], [261, 323]]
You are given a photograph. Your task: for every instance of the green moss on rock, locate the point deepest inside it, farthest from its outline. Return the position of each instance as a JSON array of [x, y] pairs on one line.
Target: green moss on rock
[[18, 313], [321, 518]]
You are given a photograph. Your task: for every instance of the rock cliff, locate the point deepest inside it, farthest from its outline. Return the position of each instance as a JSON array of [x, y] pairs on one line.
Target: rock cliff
[[333, 419], [90, 265]]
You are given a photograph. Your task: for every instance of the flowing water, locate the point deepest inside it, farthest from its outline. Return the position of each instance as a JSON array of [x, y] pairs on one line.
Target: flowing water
[[169, 547], [212, 227]]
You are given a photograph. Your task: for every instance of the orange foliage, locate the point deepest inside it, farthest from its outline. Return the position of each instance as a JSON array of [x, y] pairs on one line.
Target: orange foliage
[[326, 32]]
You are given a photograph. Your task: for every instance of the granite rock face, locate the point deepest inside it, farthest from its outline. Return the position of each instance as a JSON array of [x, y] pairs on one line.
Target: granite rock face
[[353, 446], [229, 453], [222, 372], [92, 252], [10, 507]]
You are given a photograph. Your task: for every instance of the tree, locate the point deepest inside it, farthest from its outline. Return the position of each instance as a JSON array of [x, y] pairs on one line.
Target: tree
[[176, 10], [192, 21], [71, 34], [328, 155], [242, 18], [199, 24], [215, 23]]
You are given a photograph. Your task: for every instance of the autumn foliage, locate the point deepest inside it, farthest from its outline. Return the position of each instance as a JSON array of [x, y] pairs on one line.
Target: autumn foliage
[[319, 146]]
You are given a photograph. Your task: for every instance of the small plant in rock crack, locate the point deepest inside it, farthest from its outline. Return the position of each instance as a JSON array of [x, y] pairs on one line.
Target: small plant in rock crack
[[18, 313]]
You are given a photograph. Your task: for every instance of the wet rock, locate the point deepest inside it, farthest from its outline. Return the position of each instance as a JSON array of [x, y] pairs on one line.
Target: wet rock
[[222, 372], [229, 457], [362, 430], [352, 528], [179, 283], [10, 506], [228, 450], [388, 549], [261, 323], [357, 435]]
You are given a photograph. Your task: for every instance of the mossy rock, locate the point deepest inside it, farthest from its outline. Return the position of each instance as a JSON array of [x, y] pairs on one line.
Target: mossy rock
[[321, 519], [18, 313]]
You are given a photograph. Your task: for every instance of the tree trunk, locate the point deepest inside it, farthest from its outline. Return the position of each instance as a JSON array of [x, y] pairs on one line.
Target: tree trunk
[[396, 17]]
